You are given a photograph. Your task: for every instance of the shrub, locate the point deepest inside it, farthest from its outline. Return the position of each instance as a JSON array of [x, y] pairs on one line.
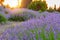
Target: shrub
[[39, 11], [21, 16], [2, 19], [16, 18], [50, 10], [38, 5]]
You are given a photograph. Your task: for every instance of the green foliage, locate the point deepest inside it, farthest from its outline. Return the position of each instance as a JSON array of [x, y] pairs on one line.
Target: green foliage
[[50, 10], [38, 5], [2, 19], [21, 16], [40, 11], [51, 34], [58, 36], [16, 18]]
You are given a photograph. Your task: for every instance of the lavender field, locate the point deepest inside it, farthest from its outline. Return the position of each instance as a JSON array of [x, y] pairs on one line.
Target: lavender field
[[35, 25]]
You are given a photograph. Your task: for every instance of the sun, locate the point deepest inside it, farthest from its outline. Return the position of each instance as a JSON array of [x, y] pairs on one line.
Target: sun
[[11, 3]]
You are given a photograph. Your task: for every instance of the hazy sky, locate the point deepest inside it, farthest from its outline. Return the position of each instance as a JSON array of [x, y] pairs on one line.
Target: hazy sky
[[53, 2], [11, 3], [50, 3]]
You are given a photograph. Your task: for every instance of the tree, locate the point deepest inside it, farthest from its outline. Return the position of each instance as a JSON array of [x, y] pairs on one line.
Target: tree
[[38, 5], [25, 3], [58, 9], [50, 9], [55, 7]]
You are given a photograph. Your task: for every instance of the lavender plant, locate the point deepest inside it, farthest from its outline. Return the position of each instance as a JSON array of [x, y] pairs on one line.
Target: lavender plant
[[44, 28], [23, 16]]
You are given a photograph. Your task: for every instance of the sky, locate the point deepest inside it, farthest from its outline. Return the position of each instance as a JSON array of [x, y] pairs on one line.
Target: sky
[[11, 3], [51, 3]]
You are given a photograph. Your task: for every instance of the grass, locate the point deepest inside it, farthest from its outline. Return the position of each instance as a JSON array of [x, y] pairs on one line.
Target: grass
[[58, 36]]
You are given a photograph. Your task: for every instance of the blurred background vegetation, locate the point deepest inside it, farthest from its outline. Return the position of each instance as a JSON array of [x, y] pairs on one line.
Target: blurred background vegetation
[[2, 19], [37, 5]]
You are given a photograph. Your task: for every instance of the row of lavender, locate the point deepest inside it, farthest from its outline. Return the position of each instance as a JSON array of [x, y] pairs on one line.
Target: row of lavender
[[17, 14], [45, 27]]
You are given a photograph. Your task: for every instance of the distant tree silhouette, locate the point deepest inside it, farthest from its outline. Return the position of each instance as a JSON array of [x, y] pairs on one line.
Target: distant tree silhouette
[[25, 3], [55, 7], [58, 9], [50, 9]]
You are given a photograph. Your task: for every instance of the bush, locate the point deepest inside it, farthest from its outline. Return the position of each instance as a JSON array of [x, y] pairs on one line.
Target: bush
[[50, 10], [2, 19], [16, 18], [21, 16], [38, 5]]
